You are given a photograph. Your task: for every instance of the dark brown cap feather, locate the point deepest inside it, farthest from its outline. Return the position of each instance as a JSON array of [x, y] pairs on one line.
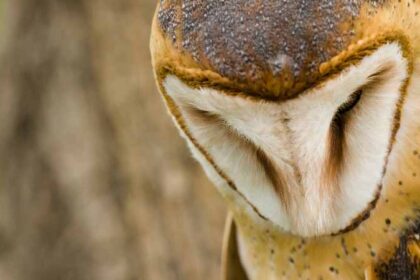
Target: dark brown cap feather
[[270, 45]]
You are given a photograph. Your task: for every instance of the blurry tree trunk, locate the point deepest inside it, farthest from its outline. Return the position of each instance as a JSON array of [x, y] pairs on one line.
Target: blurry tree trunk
[[94, 181]]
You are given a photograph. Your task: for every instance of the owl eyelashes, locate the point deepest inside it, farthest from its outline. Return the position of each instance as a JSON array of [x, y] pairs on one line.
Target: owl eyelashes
[[203, 115], [336, 142], [338, 123], [334, 159], [346, 107], [351, 102], [274, 175]]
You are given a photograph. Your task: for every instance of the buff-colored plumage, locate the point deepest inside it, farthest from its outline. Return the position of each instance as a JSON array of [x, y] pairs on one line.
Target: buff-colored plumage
[[382, 242]]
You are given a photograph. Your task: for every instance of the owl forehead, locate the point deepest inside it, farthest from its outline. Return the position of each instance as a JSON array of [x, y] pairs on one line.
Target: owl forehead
[[266, 43]]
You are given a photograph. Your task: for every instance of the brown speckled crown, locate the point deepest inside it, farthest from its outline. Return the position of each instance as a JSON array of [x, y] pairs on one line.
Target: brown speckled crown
[[275, 47]]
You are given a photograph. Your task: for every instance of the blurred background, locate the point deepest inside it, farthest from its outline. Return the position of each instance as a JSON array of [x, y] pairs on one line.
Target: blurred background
[[95, 182]]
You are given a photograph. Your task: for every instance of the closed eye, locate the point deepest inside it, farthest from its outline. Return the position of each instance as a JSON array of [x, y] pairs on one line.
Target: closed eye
[[336, 140], [347, 106], [335, 157], [273, 174]]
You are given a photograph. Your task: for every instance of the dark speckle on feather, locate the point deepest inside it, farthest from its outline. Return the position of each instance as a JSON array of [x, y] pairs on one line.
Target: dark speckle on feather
[[402, 265]]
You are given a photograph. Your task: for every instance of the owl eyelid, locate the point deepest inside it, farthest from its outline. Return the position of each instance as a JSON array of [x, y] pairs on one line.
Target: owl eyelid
[[336, 138], [354, 98], [273, 174], [204, 115], [351, 102], [347, 106]]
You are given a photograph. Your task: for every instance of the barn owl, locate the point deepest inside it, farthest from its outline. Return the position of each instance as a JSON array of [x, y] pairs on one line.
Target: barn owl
[[305, 115]]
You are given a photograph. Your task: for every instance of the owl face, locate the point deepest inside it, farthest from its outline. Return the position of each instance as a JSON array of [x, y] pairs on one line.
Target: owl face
[[304, 114], [311, 165], [289, 140]]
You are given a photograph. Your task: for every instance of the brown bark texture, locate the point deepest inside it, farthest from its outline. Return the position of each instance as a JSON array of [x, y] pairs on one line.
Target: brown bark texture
[[95, 182]]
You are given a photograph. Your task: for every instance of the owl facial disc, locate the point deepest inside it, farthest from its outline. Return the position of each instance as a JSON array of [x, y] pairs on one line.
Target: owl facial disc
[[312, 165]]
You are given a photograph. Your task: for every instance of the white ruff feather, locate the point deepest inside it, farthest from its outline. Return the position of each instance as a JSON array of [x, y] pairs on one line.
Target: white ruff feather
[[294, 136]]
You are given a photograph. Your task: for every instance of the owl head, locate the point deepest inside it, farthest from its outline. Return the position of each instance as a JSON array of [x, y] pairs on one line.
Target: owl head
[[304, 114]]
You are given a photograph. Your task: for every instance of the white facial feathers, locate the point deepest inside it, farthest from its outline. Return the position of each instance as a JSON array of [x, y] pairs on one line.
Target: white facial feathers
[[312, 164]]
